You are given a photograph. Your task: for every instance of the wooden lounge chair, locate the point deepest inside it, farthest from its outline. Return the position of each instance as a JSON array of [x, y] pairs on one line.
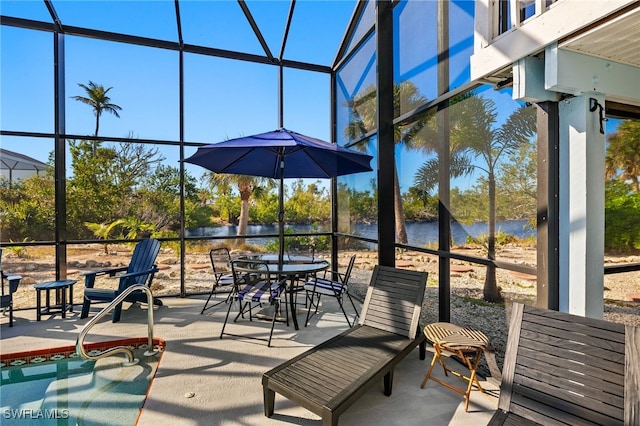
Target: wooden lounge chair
[[141, 270], [566, 369], [330, 377]]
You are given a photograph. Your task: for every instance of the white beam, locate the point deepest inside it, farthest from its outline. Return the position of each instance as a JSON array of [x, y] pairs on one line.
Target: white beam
[[574, 73]]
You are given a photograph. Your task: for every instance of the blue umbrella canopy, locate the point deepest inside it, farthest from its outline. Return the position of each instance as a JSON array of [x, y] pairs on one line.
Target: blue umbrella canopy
[[281, 154]]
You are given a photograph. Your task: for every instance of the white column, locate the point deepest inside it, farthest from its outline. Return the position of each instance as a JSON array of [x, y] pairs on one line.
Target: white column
[[582, 156]]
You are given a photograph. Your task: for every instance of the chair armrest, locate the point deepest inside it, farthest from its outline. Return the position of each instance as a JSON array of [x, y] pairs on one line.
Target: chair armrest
[[125, 279], [152, 270], [328, 275], [14, 281], [90, 277], [110, 271]]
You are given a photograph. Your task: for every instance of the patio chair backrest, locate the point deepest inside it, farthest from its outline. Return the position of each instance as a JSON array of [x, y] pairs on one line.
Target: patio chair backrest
[[143, 258], [249, 272], [220, 261], [561, 368], [347, 273], [297, 249]]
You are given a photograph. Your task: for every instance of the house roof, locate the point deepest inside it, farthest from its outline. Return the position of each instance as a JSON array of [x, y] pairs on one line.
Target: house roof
[[10, 160]]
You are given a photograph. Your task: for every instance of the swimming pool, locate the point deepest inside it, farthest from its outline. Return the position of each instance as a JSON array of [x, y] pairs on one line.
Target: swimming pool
[[57, 386]]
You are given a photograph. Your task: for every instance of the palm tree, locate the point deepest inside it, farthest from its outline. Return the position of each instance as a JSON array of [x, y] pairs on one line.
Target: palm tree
[[426, 178], [623, 154], [247, 185], [406, 97], [97, 98], [103, 230], [482, 146], [475, 143], [136, 227]]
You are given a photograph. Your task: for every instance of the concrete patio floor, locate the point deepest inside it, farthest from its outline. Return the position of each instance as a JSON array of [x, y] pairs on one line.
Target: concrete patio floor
[[205, 380]]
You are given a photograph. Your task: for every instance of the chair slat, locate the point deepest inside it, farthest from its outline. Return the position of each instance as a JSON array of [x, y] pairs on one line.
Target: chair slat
[[565, 369]]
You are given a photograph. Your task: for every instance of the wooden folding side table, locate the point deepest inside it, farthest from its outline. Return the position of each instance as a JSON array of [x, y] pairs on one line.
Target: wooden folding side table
[[467, 343]]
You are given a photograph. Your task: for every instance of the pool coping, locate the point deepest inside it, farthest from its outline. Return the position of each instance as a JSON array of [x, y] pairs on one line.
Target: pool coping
[[38, 356]]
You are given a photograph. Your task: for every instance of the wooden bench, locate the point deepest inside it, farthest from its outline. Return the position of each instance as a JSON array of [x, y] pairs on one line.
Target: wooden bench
[[330, 377], [566, 369]]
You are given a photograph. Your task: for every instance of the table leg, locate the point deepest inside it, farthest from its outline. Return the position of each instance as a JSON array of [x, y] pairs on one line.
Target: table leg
[[70, 298], [64, 302], [38, 305], [48, 301], [294, 315]]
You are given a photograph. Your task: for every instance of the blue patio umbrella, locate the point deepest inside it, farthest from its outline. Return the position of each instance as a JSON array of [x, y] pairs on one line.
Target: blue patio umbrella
[[281, 154]]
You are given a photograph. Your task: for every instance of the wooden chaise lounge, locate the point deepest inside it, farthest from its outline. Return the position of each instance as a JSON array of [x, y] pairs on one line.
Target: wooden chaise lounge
[[330, 377], [566, 369]]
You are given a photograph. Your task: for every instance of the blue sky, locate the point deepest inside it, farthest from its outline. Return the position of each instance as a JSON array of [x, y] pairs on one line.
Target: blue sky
[[223, 98]]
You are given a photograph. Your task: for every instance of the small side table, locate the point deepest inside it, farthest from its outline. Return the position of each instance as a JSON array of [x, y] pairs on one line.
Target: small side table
[[62, 286], [465, 342]]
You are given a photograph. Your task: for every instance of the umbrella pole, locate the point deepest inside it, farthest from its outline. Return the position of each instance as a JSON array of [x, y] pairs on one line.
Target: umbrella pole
[[281, 217]]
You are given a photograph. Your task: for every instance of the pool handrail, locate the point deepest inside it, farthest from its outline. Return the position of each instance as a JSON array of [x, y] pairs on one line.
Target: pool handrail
[[119, 349]]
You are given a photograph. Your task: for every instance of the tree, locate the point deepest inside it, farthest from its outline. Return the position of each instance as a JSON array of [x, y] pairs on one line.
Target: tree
[[483, 144], [135, 227], [420, 205], [518, 183], [108, 183], [96, 97], [475, 143], [622, 216], [363, 111], [220, 196], [133, 162], [308, 203], [356, 206], [27, 208], [623, 154], [247, 185], [92, 195], [103, 230]]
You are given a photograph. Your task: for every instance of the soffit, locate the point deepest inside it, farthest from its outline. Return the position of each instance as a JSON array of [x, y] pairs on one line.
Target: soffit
[[616, 39]]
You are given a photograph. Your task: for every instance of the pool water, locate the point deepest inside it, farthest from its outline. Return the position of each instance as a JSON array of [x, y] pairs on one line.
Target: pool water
[[61, 388]]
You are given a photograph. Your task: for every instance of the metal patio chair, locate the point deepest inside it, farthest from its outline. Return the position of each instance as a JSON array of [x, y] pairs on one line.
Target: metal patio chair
[[222, 275], [317, 287], [256, 286]]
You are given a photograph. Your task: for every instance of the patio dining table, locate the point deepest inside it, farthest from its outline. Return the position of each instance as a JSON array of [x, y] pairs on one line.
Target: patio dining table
[[291, 267]]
